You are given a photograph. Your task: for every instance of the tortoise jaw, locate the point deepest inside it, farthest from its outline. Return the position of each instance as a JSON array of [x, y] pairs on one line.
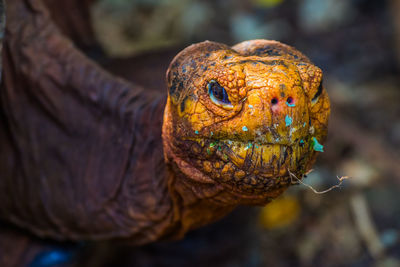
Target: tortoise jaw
[[259, 169], [246, 168]]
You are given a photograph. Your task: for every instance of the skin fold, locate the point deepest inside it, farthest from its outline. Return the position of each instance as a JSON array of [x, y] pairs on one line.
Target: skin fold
[[86, 155]]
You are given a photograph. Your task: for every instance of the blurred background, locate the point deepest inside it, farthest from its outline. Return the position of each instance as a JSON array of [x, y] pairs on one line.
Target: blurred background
[[357, 45]]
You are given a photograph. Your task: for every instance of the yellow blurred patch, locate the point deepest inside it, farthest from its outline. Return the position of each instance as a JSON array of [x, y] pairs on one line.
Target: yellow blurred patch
[[267, 3], [280, 213]]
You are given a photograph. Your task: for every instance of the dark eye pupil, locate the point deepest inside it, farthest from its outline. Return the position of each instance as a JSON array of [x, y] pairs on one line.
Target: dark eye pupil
[[218, 92]]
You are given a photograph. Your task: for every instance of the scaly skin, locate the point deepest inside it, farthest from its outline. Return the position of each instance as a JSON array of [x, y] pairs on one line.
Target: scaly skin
[[242, 154]]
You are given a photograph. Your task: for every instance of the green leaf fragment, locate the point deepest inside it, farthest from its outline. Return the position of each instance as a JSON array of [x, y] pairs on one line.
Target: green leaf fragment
[[249, 145], [317, 146]]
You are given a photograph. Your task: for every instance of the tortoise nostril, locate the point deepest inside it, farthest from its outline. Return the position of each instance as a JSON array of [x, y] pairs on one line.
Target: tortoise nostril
[[289, 100], [274, 101]]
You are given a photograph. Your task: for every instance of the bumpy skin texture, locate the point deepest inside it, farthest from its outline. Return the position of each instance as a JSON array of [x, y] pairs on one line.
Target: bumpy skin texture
[[244, 151], [85, 155]]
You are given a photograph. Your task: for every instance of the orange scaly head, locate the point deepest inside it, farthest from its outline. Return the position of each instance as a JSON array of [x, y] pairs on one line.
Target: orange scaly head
[[242, 117]]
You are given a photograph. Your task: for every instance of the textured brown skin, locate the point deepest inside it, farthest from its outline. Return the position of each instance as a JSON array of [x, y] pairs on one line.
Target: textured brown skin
[[83, 155]]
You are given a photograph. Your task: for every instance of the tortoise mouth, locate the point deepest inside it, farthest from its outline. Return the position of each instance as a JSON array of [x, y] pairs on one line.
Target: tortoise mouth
[[248, 167]]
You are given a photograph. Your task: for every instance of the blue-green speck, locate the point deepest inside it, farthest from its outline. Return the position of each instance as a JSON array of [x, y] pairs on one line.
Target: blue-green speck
[[301, 142], [250, 106], [317, 146], [196, 132], [288, 120], [244, 128], [290, 105]]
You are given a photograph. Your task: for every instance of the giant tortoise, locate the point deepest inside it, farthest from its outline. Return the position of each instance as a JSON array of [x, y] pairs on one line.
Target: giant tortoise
[[85, 155]]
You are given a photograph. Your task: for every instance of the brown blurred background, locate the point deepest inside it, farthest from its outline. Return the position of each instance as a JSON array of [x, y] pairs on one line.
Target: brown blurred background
[[357, 44]]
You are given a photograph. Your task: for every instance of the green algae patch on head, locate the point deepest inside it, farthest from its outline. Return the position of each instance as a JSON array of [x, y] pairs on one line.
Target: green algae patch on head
[[316, 145], [288, 120], [213, 144]]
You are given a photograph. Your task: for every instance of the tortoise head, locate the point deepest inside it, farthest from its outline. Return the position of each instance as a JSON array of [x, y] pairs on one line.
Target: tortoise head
[[243, 117]]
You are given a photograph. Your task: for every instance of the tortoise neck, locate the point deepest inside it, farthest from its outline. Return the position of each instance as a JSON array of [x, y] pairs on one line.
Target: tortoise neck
[[195, 204]]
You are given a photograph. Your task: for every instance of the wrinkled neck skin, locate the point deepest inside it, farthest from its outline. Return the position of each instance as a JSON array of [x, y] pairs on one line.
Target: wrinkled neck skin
[[195, 204]]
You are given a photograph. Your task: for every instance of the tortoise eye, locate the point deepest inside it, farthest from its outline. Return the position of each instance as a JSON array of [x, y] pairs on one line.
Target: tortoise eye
[[218, 94]]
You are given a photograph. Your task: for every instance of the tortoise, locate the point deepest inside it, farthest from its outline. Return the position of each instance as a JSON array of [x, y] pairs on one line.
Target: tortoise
[[86, 155]]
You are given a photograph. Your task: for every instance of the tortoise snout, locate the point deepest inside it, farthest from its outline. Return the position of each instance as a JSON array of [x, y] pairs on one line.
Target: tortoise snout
[[283, 99], [282, 113]]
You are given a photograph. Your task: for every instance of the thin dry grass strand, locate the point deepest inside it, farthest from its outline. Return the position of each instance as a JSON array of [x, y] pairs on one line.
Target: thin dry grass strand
[[341, 179]]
